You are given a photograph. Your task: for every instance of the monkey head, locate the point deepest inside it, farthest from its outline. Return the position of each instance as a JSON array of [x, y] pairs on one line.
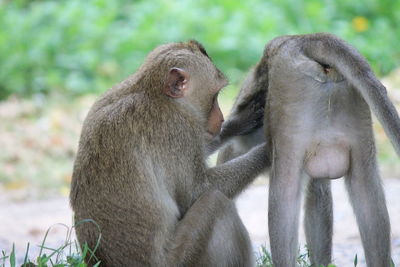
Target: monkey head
[[196, 82]]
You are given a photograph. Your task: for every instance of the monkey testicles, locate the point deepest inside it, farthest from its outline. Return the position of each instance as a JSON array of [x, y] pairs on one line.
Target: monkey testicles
[[329, 161]]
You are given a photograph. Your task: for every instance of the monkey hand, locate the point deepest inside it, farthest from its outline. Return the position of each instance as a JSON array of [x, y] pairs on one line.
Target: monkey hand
[[248, 117]]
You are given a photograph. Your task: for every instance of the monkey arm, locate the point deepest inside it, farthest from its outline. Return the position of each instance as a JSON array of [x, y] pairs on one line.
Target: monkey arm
[[216, 143], [233, 176], [195, 229]]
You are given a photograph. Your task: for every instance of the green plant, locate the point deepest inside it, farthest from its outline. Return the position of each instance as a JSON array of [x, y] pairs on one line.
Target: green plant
[[265, 260], [67, 255], [75, 47]]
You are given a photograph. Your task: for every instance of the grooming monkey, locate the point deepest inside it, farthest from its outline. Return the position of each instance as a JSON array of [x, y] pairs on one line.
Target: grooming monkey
[[140, 170], [318, 127]]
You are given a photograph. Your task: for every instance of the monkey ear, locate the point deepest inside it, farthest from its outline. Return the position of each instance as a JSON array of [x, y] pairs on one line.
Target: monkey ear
[[177, 83]]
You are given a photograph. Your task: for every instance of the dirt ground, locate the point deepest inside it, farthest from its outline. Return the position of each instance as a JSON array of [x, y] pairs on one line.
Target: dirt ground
[[23, 222]]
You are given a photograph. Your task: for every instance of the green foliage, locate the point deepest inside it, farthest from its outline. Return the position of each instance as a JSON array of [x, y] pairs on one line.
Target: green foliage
[[67, 255], [303, 260], [77, 47], [265, 258]]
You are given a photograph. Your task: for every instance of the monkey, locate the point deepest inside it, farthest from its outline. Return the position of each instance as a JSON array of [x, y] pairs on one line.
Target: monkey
[[249, 94], [140, 171], [319, 95], [319, 92]]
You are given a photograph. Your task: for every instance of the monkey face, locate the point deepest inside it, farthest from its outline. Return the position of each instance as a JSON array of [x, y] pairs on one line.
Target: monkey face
[[215, 118], [197, 82], [206, 99]]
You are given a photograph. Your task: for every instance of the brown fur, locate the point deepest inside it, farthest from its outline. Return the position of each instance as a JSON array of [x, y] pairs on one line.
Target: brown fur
[[140, 172]]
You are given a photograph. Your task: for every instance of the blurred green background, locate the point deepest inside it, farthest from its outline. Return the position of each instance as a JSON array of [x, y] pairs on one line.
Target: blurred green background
[[54, 55], [76, 47]]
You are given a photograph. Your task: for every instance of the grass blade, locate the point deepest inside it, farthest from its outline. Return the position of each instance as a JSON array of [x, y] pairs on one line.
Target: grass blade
[[12, 256], [26, 254]]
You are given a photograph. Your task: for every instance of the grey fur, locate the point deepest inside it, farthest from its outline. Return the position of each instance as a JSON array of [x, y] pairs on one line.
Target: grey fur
[[318, 125], [319, 92], [247, 97]]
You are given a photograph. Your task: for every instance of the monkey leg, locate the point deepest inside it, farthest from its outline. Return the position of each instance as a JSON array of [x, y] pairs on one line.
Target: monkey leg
[[318, 221], [230, 243], [284, 209], [367, 198], [207, 232]]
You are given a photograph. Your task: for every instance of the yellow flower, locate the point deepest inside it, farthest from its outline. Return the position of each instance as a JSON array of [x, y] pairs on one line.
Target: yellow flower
[[360, 24]]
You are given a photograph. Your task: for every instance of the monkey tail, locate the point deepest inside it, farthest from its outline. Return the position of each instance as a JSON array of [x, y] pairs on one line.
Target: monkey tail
[[330, 50]]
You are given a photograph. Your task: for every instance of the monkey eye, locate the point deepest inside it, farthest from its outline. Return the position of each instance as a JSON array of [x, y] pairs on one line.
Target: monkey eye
[[215, 97], [213, 101]]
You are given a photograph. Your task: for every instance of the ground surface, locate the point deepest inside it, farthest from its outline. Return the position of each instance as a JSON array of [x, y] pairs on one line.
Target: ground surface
[[39, 138], [23, 222]]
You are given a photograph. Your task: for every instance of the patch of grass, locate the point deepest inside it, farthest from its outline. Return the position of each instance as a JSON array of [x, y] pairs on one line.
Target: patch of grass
[[303, 260], [265, 259], [67, 255], [70, 255]]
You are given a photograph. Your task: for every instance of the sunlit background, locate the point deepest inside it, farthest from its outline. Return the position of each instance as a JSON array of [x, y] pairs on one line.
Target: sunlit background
[[57, 56]]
